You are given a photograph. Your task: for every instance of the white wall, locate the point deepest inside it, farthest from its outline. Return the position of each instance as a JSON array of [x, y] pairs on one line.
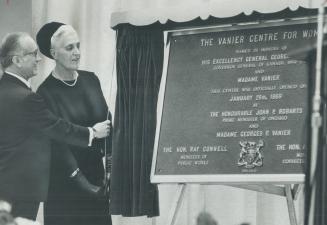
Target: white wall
[[15, 15]]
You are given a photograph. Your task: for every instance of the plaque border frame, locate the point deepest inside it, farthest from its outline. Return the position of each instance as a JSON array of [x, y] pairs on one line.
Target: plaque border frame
[[297, 178]]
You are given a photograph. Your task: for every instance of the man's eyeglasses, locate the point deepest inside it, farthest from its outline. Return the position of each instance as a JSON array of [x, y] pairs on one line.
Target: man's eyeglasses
[[34, 53]]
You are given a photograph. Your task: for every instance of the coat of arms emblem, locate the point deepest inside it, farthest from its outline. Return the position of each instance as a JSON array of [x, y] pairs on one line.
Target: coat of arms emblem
[[250, 155]]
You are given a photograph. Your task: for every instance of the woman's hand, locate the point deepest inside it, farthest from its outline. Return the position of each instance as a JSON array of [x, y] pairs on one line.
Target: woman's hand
[[102, 129]]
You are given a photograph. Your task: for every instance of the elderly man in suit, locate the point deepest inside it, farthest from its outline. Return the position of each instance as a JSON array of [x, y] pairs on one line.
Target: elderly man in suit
[[26, 126]]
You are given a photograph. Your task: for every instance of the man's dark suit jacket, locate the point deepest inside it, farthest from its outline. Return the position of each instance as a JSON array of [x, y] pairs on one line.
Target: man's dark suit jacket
[[26, 126]]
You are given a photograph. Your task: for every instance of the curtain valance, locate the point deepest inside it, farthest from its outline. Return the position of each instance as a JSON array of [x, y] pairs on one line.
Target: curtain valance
[[185, 12]]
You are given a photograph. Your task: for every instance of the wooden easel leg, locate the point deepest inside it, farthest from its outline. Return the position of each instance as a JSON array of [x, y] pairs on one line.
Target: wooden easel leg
[[176, 204], [290, 204], [296, 190]]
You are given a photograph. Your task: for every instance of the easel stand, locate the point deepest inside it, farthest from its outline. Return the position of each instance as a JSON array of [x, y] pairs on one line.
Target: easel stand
[[288, 190]]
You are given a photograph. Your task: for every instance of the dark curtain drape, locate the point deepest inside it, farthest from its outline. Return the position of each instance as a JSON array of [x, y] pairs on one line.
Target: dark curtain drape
[[316, 192], [139, 68]]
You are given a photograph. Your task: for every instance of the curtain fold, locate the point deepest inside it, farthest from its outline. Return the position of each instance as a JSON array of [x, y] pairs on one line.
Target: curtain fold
[[139, 69], [316, 175]]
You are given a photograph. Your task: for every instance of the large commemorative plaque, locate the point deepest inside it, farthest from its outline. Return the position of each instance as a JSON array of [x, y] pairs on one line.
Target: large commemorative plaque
[[234, 105]]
